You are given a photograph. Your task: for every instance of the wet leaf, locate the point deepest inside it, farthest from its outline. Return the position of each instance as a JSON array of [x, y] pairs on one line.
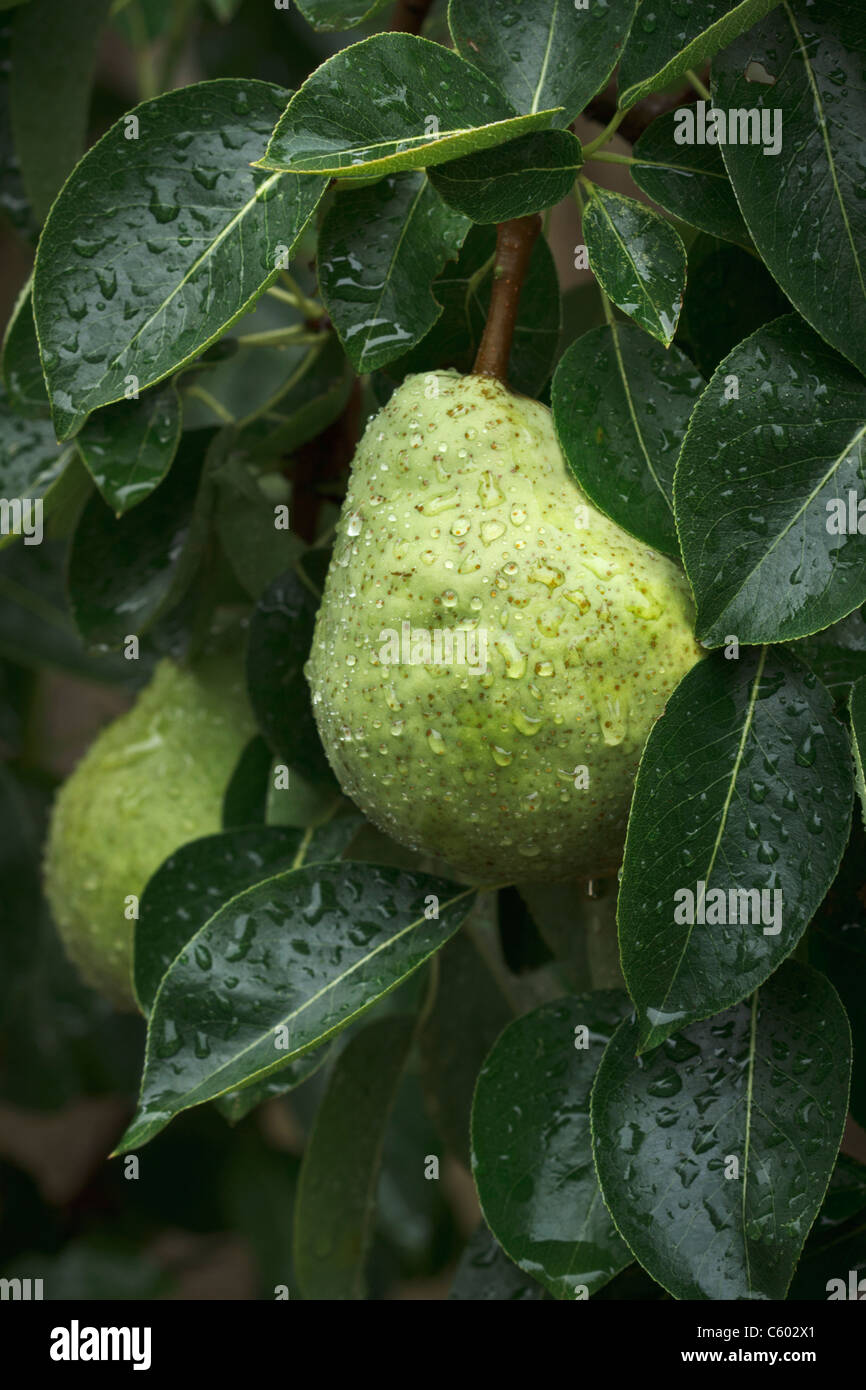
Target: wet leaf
[[543, 52], [638, 259], [160, 241], [280, 969], [666, 41], [742, 292], [858, 733], [485, 1274], [837, 655], [523, 176], [744, 787], [804, 206], [336, 1203], [32, 469], [380, 249], [773, 456], [336, 16], [621, 404], [22, 370], [392, 102], [714, 1151], [532, 1149], [689, 181], [128, 448]]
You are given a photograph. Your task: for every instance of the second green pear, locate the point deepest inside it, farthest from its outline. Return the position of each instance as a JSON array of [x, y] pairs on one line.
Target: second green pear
[[491, 650]]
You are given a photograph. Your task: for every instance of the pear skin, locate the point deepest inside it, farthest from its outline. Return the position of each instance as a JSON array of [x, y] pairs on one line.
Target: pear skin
[[514, 759]]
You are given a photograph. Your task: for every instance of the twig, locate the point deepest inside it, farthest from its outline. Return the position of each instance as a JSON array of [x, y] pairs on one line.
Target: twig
[[409, 16], [514, 243]]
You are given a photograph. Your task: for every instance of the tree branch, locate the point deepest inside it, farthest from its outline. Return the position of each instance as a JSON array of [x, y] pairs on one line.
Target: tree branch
[[409, 16], [514, 243]]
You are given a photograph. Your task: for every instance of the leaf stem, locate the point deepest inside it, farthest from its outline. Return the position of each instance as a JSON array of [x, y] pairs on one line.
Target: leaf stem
[[514, 242], [700, 87], [275, 337], [611, 127], [310, 308]]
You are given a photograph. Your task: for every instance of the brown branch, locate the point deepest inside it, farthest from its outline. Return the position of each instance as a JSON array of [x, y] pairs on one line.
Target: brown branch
[[409, 16], [514, 243], [322, 460]]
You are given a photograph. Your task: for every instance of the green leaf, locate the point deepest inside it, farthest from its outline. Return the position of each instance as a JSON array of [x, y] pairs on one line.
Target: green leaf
[[858, 734], [380, 249], [128, 448], [485, 1274], [246, 796], [235, 1105], [277, 971], [451, 1057], [124, 574], [464, 292], [392, 102], [764, 485], [525, 175], [193, 884], [281, 634], [336, 16], [621, 404], [765, 1085], [162, 237], [689, 181], [32, 468], [54, 51], [638, 259], [336, 1204], [837, 655], [667, 41], [805, 209], [741, 291], [22, 370], [532, 1149], [543, 53], [727, 796], [248, 378], [837, 945], [250, 527]]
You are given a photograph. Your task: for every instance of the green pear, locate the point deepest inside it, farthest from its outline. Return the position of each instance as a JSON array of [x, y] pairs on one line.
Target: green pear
[[510, 750], [152, 780]]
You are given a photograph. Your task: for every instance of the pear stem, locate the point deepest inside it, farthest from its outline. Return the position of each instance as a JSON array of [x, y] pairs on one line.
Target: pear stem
[[514, 243]]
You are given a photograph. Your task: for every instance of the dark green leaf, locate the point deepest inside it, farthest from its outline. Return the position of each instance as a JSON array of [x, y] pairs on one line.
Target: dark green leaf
[[668, 40], [689, 181], [252, 518], [310, 404], [715, 1150], [129, 447], [336, 1203], [838, 654], [744, 786], [380, 249], [32, 468], [837, 945], [246, 797], [804, 208], [54, 51], [281, 633], [858, 732], [336, 16], [193, 884], [235, 1105], [543, 52], [621, 404], [160, 240], [22, 370], [523, 176], [772, 458], [532, 1150], [277, 971], [124, 573], [638, 259], [741, 291], [485, 1274], [451, 1057], [393, 102]]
